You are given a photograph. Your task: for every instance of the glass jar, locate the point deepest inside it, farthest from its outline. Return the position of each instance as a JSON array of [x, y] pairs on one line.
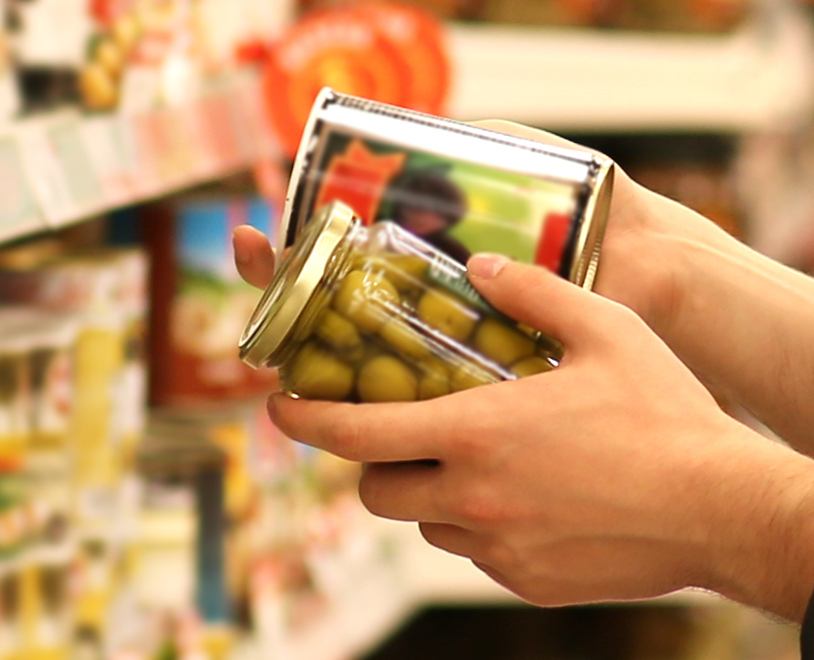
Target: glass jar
[[372, 314]]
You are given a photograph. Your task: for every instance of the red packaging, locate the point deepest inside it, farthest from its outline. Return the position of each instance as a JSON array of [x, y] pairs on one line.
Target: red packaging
[[200, 301]]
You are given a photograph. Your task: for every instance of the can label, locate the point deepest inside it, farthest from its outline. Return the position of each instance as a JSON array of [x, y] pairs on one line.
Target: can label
[[457, 206]]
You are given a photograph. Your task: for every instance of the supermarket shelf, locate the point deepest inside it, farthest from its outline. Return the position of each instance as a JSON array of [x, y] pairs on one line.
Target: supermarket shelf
[[340, 632], [582, 80], [64, 167], [389, 594]]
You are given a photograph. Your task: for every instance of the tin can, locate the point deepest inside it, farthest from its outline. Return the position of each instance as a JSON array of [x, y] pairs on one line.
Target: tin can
[[459, 187], [375, 314]]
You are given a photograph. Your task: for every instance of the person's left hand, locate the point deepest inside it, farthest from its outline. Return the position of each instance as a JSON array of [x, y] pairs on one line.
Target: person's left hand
[[599, 480]]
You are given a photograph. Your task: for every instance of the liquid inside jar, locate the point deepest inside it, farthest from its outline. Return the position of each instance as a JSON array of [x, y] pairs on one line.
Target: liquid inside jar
[[394, 319]]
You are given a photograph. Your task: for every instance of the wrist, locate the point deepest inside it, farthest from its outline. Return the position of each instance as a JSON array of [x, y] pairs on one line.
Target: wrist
[[760, 500]]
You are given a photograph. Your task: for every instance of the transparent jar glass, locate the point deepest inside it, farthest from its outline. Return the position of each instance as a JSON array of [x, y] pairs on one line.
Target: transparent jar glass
[[374, 314]]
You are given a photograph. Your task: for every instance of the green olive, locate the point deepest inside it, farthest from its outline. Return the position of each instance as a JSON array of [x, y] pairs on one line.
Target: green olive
[[501, 343], [434, 380], [306, 326], [405, 271], [362, 298], [317, 374], [404, 339], [338, 332], [531, 365], [548, 346], [447, 314], [467, 376], [386, 378]]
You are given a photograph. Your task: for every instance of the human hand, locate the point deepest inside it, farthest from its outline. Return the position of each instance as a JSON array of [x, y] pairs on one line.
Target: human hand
[[254, 257], [613, 477], [633, 269]]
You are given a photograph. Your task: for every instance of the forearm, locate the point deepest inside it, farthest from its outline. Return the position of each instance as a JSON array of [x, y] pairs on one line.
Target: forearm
[[759, 513], [742, 322]]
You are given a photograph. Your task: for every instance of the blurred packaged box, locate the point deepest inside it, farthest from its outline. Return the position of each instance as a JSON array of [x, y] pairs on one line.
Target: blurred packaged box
[[9, 94], [456, 9], [200, 301], [671, 15], [105, 293]]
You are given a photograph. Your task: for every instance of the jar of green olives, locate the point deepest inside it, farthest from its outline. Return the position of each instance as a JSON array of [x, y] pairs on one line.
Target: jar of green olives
[[372, 314]]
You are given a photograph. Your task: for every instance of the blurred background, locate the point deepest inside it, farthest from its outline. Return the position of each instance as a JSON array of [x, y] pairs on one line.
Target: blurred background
[[148, 509]]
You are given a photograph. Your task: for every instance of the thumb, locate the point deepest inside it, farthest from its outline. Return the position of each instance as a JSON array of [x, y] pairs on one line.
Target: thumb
[[536, 297]]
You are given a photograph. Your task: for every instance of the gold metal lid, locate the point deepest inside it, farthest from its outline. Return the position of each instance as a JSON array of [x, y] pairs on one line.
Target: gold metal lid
[[294, 285]]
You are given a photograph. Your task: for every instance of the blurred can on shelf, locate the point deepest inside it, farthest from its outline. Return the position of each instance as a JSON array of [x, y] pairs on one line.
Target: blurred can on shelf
[[459, 187]]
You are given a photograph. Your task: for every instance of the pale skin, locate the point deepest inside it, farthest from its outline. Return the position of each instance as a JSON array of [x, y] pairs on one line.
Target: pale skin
[[617, 476]]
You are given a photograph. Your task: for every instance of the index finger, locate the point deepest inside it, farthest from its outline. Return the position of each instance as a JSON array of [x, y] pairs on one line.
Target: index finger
[[366, 433]]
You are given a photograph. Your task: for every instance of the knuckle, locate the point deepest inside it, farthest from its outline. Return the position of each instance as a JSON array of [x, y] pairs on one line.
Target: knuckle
[[626, 318], [343, 437], [468, 444]]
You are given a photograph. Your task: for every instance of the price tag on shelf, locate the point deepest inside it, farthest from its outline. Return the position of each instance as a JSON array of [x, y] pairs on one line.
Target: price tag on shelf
[[255, 117], [185, 133], [141, 89], [170, 133], [205, 153], [104, 144], [19, 213], [141, 154], [220, 130], [67, 142], [240, 128], [45, 174]]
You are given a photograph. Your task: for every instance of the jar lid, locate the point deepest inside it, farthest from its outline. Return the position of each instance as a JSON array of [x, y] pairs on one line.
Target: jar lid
[[294, 285]]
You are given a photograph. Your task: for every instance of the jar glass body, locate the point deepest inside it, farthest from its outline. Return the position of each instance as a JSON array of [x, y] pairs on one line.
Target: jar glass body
[[395, 319]]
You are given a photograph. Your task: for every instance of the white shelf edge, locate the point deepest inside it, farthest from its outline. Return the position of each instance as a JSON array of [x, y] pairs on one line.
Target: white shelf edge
[[591, 80], [249, 132]]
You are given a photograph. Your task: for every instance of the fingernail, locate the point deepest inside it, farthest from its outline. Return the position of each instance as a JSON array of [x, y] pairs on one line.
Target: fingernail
[[486, 265]]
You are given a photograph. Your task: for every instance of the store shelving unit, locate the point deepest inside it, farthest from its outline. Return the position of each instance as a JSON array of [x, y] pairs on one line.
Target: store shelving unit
[[584, 80], [64, 167]]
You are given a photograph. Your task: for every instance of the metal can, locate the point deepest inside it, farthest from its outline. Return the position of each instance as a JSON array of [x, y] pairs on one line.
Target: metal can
[[375, 314], [459, 187]]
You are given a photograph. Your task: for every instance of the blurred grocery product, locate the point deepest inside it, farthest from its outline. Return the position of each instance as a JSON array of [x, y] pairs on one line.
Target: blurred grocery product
[[47, 61], [390, 52], [674, 15], [199, 300], [9, 93], [105, 291], [440, 8]]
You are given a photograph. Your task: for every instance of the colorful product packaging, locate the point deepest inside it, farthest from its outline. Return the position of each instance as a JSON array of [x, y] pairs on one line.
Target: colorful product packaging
[[104, 292], [461, 188], [200, 301], [391, 52]]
